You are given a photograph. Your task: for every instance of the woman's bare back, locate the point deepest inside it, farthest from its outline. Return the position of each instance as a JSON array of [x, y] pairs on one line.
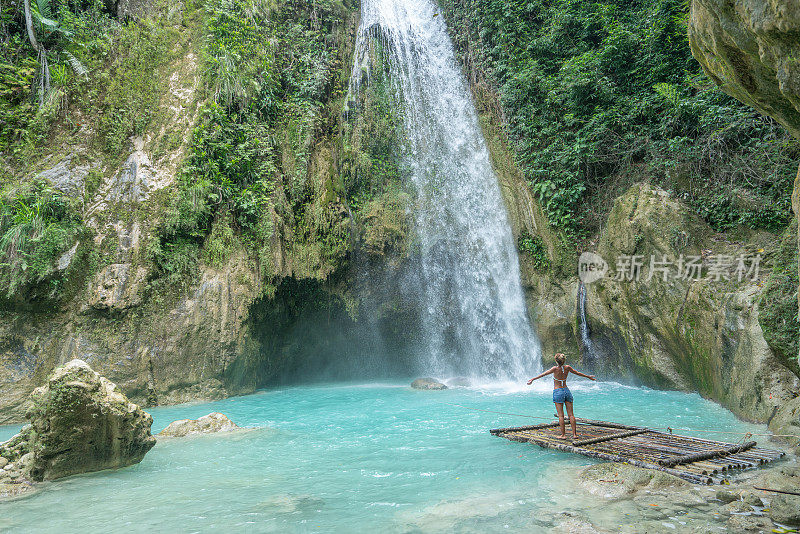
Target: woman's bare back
[[560, 376]]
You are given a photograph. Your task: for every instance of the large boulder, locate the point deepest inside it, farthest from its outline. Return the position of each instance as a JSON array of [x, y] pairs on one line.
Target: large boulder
[[81, 422], [208, 424], [427, 383]]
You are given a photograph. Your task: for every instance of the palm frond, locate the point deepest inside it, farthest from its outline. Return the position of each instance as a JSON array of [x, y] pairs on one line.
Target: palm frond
[[77, 66], [43, 9]]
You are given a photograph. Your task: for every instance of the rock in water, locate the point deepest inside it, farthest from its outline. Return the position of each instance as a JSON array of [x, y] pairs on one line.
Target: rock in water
[[81, 422], [459, 382], [208, 424], [427, 383], [785, 509], [613, 480]]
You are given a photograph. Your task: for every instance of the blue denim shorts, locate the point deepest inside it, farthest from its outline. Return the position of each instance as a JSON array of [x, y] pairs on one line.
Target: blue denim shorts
[[562, 395]]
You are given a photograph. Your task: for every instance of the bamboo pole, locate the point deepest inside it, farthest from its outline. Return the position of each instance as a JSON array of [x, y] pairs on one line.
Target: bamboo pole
[[609, 437], [689, 458], [496, 431], [606, 424]]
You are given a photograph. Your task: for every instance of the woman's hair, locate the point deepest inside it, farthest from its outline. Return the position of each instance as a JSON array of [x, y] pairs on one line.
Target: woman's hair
[[560, 358]]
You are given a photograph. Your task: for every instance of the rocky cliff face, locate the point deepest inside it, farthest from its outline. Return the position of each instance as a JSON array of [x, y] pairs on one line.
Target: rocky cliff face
[[750, 49], [168, 339], [692, 330]]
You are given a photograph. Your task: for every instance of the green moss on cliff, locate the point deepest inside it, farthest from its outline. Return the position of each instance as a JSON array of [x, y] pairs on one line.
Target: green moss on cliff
[[371, 162], [260, 156], [38, 227], [133, 82], [778, 304]]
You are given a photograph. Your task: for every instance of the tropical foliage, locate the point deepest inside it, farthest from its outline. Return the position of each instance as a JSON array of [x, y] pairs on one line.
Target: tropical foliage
[[36, 227], [271, 70], [599, 94]]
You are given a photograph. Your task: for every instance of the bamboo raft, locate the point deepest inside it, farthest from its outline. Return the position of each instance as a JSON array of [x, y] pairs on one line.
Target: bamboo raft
[[697, 460]]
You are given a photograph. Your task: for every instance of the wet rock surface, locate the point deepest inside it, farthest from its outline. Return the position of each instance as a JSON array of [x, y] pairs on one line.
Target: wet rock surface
[[79, 422], [623, 498], [613, 480], [427, 384], [208, 424], [659, 329], [750, 49], [785, 509], [786, 422]]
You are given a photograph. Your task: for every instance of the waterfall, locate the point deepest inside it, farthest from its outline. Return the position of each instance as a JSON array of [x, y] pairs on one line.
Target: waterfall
[[584, 327], [464, 272]]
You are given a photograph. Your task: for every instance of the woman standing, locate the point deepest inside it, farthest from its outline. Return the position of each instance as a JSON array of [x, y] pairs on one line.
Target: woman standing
[[561, 393]]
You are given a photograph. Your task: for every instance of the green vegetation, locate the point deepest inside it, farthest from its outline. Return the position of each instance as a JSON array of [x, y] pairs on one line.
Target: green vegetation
[[130, 94], [37, 93], [272, 72], [598, 95], [371, 160], [533, 246], [37, 226]]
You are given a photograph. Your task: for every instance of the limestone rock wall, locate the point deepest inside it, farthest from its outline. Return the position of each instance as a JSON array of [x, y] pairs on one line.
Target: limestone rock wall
[[750, 48], [694, 333]]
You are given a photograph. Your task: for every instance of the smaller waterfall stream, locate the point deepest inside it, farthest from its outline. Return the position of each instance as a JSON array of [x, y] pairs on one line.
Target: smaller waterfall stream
[[586, 341]]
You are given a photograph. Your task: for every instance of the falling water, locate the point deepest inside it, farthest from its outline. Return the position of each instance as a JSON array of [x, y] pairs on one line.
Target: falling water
[[465, 271], [584, 327]]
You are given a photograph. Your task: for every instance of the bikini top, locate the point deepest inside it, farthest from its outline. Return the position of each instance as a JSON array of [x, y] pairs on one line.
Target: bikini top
[[562, 380]]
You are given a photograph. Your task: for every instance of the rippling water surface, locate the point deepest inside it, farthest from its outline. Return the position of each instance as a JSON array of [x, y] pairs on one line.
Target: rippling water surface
[[349, 458]]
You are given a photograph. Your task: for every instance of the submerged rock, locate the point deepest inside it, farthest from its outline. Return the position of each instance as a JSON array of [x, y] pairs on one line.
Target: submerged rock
[[614, 481], [748, 523], [292, 504], [427, 383], [785, 509], [569, 523], [726, 496], [208, 424]]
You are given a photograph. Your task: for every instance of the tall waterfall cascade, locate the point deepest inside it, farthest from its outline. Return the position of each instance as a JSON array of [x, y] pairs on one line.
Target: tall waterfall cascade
[[465, 271]]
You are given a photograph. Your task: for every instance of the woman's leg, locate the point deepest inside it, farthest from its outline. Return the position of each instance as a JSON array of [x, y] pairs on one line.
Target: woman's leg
[[572, 421], [560, 410]]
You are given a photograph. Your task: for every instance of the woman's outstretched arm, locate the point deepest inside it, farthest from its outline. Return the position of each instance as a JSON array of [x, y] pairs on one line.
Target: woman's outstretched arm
[[590, 377], [541, 375]]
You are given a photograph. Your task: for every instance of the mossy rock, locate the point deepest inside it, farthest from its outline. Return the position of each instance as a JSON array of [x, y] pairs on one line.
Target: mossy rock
[[81, 422]]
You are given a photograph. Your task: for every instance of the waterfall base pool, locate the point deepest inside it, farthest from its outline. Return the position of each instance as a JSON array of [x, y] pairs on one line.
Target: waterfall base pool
[[363, 458]]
